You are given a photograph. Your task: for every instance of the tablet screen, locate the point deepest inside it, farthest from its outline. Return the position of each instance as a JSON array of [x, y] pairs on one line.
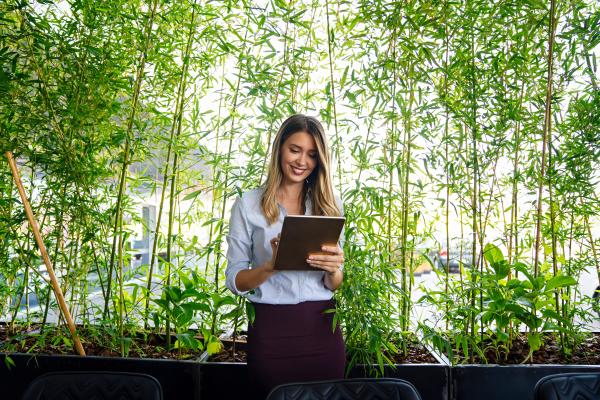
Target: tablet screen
[[302, 235]]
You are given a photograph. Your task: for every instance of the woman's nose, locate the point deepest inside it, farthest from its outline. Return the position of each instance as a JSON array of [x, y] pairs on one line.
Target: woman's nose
[[302, 159]]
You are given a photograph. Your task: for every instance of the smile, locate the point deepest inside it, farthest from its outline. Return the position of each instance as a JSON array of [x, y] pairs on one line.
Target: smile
[[298, 171]]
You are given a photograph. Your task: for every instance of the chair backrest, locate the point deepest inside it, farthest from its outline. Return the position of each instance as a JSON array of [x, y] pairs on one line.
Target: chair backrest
[[77, 385], [347, 389], [571, 386]]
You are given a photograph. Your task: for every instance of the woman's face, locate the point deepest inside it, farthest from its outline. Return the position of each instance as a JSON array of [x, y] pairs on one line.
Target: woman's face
[[299, 157]]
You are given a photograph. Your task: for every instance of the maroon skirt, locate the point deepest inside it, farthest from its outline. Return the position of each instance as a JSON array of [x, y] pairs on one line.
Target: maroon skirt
[[294, 343]]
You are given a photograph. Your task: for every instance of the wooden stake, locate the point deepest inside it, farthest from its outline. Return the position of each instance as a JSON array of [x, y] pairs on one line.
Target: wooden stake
[[40, 242]]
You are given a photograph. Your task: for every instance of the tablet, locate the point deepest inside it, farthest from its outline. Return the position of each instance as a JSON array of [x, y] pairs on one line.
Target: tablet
[[302, 235]]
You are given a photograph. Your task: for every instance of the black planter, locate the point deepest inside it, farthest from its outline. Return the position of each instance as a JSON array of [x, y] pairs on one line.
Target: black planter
[[431, 380], [214, 380], [226, 380], [501, 382], [179, 379], [230, 380]]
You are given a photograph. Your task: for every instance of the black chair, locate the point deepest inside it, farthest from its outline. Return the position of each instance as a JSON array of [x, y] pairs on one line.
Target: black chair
[[347, 389], [571, 386], [102, 385]]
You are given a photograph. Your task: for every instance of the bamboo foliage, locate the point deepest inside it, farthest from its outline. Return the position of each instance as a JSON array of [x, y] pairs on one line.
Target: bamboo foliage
[[469, 124]]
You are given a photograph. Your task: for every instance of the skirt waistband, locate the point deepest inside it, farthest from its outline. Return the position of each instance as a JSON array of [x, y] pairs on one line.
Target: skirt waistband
[[306, 318]]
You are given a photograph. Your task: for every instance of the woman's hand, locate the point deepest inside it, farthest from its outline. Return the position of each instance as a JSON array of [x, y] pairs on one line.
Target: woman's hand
[[274, 246], [330, 262], [249, 279]]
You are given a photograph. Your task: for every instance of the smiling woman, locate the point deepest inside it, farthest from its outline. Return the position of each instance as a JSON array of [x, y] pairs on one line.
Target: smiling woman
[[291, 338]]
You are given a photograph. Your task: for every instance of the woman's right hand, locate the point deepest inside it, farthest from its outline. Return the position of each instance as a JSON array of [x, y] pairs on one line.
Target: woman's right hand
[[248, 279], [274, 247]]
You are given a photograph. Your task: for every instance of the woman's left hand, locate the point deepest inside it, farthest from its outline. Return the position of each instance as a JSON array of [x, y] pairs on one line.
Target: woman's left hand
[[330, 262]]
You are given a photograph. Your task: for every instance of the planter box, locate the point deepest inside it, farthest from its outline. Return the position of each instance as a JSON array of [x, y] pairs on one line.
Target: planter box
[[501, 382], [226, 380], [179, 379], [222, 380], [230, 380], [431, 380]]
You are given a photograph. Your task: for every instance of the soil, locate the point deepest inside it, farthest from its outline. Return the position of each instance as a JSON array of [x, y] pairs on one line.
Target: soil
[[416, 353], [152, 345], [144, 345], [585, 353]]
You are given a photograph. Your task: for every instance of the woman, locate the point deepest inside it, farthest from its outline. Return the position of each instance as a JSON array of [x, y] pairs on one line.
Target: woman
[[291, 338]]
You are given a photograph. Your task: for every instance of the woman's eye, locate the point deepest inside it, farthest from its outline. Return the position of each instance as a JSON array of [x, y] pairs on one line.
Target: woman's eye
[[313, 156], [294, 150]]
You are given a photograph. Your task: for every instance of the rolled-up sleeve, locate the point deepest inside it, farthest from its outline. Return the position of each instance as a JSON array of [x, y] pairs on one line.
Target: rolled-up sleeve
[[239, 241]]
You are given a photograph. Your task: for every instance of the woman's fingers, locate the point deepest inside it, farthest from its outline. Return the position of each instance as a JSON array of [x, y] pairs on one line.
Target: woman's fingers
[[327, 262], [332, 249], [325, 266], [337, 259]]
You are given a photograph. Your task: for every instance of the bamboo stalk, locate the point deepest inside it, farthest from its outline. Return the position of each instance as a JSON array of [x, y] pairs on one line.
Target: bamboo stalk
[[405, 199], [57, 247], [42, 246], [120, 278], [170, 221], [514, 215], [475, 194], [215, 173], [391, 141], [275, 100], [227, 165], [126, 151], [558, 291], [304, 76], [176, 120], [592, 245], [174, 170], [332, 83], [547, 127], [307, 75], [446, 163], [514, 210], [566, 303]]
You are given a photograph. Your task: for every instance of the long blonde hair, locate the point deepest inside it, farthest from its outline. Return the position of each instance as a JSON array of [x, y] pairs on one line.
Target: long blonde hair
[[318, 184]]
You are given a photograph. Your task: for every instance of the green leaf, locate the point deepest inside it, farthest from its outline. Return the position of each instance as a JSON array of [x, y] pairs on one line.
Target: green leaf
[[492, 254], [8, 362], [250, 313], [197, 307], [173, 294], [187, 340], [281, 4], [187, 283], [535, 341], [214, 346], [501, 268], [560, 281], [126, 345], [220, 301]]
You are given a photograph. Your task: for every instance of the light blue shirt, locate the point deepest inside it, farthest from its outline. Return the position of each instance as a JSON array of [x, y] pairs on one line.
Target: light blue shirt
[[249, 242]]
